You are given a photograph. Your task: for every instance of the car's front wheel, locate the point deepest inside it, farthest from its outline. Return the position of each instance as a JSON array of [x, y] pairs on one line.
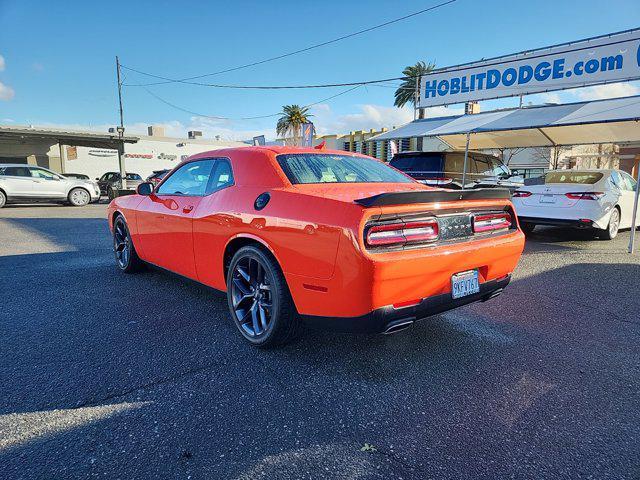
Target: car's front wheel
[[126, 256], [3, 199], [259, 299], [79, 197]]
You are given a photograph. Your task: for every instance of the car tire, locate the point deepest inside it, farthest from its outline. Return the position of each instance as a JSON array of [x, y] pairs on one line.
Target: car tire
[[612, 229], [527, 228], [79, 197], [111, 194], [259, 299], [3, 199], [124, 251]]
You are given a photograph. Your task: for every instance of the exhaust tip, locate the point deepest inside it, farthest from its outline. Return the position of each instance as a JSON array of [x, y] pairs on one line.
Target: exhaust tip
[[494, 294], [398, 326]]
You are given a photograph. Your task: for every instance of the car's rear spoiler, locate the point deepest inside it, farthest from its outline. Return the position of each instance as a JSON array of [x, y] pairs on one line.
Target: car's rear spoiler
[[433, 196]]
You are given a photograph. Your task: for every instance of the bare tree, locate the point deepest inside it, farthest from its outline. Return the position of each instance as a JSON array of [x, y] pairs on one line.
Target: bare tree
[[507, 154]]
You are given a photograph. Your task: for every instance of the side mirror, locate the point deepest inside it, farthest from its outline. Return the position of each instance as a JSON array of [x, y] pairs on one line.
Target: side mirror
[[97, 179], [145, 188]]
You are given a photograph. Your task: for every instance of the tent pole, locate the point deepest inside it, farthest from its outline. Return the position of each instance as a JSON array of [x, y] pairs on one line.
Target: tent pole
[[466, 156], [633, 218]]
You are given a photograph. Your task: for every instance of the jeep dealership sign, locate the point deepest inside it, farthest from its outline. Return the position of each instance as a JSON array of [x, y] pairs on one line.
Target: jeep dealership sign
[[606, 59]]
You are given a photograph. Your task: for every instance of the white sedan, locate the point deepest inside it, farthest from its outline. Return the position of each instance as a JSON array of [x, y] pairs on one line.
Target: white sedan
[[595, 199]]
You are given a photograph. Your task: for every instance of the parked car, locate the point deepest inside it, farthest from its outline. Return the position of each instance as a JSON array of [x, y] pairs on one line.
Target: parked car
[[329, 238], [157, 176], [444, 169], [111, 181], [20, 183], [596, 199], [77, 176]]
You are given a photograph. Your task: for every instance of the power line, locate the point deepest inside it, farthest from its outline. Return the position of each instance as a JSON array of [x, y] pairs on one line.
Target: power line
[[182, 109], [282, 87], [284, 55]]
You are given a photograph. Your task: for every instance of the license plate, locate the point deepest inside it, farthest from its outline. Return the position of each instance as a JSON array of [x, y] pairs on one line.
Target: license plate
[[464, 283], [548, 199]]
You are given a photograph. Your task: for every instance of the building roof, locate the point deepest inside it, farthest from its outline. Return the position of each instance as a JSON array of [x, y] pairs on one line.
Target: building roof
[[66, 137], [599, 121]]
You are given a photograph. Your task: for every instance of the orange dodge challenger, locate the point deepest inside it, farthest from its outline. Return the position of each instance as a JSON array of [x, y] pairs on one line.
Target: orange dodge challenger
[[322, 237]]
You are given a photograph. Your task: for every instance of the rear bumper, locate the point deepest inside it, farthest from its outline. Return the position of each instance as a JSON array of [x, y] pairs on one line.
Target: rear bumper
[[557, 222], [389, 319]]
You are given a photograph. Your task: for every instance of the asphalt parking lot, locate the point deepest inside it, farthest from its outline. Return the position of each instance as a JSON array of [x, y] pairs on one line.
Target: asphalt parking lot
[[109, 375]]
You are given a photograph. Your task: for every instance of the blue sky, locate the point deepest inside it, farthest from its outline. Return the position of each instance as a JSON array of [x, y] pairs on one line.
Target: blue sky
[[57, 58]]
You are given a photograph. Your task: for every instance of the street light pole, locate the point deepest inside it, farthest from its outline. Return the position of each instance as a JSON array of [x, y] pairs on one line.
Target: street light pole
[[466, 157], [123, 174]]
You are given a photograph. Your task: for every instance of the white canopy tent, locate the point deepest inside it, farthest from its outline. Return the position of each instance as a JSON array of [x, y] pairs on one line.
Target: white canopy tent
[[599, 121]]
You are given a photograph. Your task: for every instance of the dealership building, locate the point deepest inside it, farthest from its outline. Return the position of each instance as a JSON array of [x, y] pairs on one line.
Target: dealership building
[[94, 154]]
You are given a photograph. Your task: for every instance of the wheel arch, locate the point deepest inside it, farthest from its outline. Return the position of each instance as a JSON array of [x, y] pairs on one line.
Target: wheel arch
[[80, 187], [242, 240]]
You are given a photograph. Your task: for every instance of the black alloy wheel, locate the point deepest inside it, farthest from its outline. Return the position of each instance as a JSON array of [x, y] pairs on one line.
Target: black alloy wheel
[[259, 299], [126, 256]]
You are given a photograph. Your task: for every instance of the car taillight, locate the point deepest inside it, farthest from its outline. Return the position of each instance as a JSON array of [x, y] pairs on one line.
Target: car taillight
[[585, 195], [521, 194], [490, 222], [402, 233]]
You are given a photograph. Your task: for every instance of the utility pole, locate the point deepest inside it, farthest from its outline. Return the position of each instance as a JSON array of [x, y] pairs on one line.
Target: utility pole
[[123, 173], [416, 96]]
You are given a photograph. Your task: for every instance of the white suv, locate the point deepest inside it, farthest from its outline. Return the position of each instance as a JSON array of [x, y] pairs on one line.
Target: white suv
[[20, 183]]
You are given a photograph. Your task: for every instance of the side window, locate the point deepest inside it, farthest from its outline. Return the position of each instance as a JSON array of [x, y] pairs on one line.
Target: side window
[[222, 176], [617, 180], [190, 180], [629, 181], [17, 172], [40, 173]]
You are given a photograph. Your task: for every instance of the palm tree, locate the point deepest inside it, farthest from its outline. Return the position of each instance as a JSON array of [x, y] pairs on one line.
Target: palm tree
[[290, 123], [406, 92]]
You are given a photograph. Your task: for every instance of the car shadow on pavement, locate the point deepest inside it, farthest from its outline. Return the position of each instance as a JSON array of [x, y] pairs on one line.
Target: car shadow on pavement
[[139, 376]]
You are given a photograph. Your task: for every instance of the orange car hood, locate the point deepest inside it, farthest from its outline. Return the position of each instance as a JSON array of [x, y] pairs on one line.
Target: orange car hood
[[348, 192]]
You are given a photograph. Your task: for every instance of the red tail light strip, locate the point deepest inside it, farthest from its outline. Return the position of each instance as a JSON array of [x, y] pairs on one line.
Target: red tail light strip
[[402, 233], [491, 222], [521, 194], [585, 195]]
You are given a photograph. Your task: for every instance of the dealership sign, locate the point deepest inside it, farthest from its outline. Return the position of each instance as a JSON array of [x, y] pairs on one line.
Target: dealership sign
[[606, 59]]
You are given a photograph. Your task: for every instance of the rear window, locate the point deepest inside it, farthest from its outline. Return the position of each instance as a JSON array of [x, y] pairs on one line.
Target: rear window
[[417, 163], [133, 176], [327, 168], [585, 178], [15, 171]]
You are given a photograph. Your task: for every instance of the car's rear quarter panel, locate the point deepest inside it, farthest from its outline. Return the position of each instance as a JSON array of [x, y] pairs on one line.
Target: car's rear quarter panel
[[365, 280]]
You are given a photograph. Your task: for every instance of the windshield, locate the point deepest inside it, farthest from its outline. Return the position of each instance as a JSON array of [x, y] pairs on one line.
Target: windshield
[[585, 178], [329, 168]]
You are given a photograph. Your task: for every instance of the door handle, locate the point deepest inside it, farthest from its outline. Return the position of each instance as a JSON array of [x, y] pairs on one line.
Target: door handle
[[187, 208]]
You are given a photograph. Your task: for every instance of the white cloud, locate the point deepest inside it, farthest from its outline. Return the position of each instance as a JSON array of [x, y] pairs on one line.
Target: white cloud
[[611, 90], [3, 64], [549, 97], [6, 92], [369, 116]]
